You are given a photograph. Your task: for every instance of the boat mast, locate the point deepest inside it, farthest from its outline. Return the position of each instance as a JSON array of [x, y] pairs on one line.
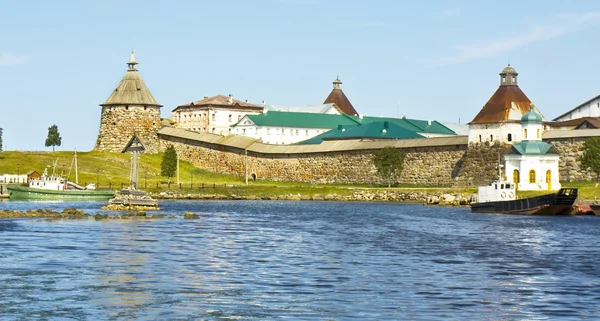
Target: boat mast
[[76, 175]]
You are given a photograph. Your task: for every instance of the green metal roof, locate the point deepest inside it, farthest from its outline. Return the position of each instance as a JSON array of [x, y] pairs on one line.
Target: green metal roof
[[301, 120], [374, 130], [422, 126], [532, 147]]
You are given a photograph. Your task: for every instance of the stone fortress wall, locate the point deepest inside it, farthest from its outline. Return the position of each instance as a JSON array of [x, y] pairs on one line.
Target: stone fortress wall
[[456, 164]]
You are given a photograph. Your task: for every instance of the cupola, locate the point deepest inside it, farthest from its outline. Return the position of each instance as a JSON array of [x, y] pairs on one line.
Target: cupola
[[508, 76]]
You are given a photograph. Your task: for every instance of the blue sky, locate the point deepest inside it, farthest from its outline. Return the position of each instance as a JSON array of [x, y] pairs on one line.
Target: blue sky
[[422, 59]]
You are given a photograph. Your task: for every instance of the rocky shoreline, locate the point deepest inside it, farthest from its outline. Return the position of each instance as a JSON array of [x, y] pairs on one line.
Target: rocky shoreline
[[78, 214], [441, 198]]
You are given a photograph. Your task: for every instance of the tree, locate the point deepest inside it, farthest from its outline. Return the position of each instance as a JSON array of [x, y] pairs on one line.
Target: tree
[[591, 155], [54, 138], [389, 162], [169, 163], [0, 139]]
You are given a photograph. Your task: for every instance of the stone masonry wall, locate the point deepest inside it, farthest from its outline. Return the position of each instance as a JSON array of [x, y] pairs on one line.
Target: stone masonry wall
[[457, 165], [570, 152], [119, 123], [423, 166]]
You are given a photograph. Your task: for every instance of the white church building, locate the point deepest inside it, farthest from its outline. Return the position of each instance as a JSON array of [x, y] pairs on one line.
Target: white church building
[[532, 164]]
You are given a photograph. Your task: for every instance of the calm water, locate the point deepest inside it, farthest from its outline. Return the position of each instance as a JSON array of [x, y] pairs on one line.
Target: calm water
[[265, 260]]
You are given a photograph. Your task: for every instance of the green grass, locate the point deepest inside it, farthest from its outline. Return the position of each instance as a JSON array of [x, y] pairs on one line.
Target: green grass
[[113, 168]]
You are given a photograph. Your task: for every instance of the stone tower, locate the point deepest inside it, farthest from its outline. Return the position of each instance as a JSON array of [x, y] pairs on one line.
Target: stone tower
[[130, 109]]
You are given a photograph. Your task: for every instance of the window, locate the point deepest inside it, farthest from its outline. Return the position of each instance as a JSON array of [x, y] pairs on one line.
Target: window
[[230, 117], [268, 131], [525, 133], [214, 116], [244, 131], [306, 133], [532, 177], [491, 138], [548, 177], [510, 137], [503, 79], [538, 133], [239, 117], [480, 138]]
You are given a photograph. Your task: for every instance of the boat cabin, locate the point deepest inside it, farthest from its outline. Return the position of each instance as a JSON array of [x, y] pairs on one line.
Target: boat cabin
[[49, 182], [497, 191]]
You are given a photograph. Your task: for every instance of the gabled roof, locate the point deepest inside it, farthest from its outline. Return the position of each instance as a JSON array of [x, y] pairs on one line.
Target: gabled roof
[[508, 103], [372, 130], [532, 147], [300, 120], [131, 90], [338, 97], [578, 123], [317, 109], [134, 145], [220, 101]]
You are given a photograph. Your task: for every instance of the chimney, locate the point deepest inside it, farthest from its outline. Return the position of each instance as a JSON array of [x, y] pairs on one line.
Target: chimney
[[230, 99], [246, 100], [264, 102], [429, 122], [205, 97]]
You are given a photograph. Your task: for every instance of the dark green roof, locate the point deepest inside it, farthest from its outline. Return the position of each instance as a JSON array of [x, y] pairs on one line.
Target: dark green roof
[[374, 130], [301, 120], [315, 120], [422, 126], [532, 147]]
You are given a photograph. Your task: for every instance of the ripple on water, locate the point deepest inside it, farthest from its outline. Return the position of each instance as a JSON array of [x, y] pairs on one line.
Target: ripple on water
[[300, 261]]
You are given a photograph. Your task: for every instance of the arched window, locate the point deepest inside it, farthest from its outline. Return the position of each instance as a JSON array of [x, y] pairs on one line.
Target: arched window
[[480, 138], [525, 133], [491, 138], [538, 133], [510, 137], [516, 176], [532, 177]]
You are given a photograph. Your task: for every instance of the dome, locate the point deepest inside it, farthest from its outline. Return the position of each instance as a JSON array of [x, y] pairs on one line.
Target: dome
[[508, 70], [532, 117]]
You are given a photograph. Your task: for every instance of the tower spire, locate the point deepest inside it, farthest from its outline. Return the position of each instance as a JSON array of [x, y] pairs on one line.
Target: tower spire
[[131, 63], [337, 83]]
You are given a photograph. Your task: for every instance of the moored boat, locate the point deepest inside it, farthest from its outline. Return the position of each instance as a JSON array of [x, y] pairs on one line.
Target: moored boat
[[54, 187], [17, 192], [500, 197]]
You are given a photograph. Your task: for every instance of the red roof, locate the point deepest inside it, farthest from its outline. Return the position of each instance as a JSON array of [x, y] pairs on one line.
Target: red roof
[[338, 98], [220, 101], [508, 103]]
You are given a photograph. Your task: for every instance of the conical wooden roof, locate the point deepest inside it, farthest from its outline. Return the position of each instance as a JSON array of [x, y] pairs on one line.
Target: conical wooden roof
[[131, 90], [338, 98], [508, 104]]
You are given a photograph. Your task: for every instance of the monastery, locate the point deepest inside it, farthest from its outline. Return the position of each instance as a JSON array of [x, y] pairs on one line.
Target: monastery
[[332, 143]]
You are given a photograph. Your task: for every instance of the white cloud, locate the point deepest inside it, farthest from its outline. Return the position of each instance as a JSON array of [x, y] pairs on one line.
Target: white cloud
[[537, 33], [9, 59]]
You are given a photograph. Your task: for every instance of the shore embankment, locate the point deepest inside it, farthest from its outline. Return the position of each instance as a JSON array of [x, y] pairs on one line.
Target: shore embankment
[[425, 197]]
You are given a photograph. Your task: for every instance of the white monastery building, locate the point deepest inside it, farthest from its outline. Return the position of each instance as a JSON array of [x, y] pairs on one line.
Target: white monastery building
[[213, 114]]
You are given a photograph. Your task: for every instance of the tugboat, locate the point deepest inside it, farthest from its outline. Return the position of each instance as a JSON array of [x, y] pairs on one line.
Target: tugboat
[[500, 197]]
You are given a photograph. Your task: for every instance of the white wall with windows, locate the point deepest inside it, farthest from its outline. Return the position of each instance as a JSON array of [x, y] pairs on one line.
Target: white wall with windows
[[533, 173], [588, 109], [275, 134], [209, 120]]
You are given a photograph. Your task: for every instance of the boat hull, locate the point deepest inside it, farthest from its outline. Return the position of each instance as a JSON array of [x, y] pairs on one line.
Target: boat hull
[[17, 192], [559, 203]]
